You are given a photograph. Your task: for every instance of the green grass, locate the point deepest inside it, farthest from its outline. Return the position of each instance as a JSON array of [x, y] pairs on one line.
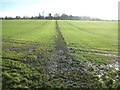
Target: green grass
[[19, 75], [26, 47], [30, 45], [26, 30], [100, 35], [87, 38]]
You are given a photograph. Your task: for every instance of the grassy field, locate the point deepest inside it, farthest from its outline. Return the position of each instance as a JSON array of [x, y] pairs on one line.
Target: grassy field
[[91, 38], [62, 53], [29, 30]]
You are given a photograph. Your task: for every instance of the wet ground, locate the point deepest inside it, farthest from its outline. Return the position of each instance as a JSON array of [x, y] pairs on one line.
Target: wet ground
[[74, 72], [61, 67]]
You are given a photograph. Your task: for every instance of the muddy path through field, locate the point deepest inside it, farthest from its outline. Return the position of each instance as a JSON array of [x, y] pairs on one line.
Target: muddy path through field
[[62, 66], [68, 71], [59, 56]]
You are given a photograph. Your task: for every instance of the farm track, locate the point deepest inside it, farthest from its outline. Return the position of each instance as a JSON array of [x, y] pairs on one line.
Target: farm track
[[59, 56], [63, 66]]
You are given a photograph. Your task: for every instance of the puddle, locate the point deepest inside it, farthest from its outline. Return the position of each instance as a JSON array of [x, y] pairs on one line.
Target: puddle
[[111, 55], [103, 69], [11, 50]]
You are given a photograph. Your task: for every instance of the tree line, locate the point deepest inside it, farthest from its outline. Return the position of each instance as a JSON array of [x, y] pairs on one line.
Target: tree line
[[50, 17]]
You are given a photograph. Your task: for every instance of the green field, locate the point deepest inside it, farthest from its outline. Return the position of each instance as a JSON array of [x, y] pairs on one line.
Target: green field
[[59, 54]]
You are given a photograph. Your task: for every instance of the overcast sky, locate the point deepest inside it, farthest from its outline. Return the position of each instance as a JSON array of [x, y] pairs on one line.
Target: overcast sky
[[103, 9]]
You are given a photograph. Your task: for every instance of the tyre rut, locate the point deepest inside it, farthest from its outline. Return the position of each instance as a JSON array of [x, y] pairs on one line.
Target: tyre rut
[[62, 65]]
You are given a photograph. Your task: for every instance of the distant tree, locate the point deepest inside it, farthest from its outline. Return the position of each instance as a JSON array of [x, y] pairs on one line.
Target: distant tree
[[8, 18], [36, 17], [18, 17], [5, 17], [70, 17], [64, 16], [27, 17], [43, 15], [39, 17], [56, 16], [1, 18], [50, 16], [32, 17], [24, 17]]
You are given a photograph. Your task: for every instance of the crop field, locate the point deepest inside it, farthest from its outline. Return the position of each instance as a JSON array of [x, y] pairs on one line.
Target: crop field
[[59, 54]]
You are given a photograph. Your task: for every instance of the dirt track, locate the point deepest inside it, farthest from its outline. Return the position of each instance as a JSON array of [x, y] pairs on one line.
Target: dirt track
[[62, 66]]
